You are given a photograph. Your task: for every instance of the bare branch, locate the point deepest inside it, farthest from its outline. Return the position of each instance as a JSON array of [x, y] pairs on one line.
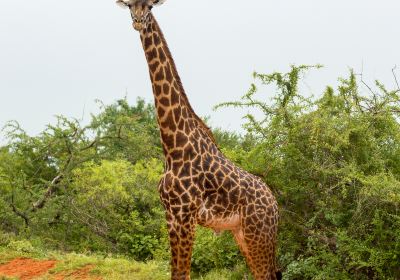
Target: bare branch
[[330, 241], [395, 77], [50, 190], [97, 226], [365, 84], [18, 212]]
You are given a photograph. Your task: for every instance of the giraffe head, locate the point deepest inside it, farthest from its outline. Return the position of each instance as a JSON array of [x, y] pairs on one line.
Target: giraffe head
[[140, 11]]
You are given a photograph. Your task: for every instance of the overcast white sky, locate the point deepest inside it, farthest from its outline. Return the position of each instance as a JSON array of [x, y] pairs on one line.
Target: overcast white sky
[[57, 57]]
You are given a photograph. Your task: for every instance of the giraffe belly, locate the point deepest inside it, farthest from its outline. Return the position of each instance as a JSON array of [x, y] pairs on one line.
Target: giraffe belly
[[219, 222]]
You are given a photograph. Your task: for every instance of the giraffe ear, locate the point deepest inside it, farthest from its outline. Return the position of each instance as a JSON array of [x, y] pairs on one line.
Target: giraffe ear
[[122, 3], [157, 2]]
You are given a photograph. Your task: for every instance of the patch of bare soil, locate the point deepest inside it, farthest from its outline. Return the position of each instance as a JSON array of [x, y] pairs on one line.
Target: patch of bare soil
[[26, 269]]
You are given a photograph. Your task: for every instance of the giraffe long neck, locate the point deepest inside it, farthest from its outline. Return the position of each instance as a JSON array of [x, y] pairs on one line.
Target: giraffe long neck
[[175, 115]]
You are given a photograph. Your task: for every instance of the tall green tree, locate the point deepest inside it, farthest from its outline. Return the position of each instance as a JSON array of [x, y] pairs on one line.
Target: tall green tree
[[37, 171]]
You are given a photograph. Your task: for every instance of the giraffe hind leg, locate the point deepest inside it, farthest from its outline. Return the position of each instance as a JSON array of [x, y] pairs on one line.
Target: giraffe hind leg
[[256, 237], [259, 254]]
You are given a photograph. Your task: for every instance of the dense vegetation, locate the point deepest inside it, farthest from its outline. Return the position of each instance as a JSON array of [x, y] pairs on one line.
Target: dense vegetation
[[333, 162]]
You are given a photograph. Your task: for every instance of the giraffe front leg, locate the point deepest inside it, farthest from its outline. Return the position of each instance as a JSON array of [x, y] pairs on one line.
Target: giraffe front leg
[[181, 235]]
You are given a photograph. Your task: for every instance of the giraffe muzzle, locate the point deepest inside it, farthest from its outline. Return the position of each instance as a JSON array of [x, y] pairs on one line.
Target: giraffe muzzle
[[137, 25]]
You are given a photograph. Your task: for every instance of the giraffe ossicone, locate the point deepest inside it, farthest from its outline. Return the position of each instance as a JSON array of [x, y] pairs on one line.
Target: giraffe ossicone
[[127, 3], [200, 185]]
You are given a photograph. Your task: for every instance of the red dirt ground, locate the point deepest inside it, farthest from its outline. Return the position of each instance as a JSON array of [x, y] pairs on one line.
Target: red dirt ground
[[28, 269]]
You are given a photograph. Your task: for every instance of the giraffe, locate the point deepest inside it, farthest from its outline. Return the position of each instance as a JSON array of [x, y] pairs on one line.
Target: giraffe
[[200, 185]]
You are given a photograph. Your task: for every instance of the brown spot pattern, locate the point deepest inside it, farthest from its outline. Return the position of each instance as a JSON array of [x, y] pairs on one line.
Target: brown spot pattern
[[200, 185]]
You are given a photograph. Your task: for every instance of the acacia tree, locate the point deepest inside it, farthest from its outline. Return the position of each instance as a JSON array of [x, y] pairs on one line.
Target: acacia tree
[[36, 172]]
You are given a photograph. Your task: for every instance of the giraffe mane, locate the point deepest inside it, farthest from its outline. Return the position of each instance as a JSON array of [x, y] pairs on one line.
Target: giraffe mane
[[202, 124]]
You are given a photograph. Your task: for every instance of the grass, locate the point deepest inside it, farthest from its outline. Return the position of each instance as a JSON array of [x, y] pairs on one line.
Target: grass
[[107, 267], [112, 268]]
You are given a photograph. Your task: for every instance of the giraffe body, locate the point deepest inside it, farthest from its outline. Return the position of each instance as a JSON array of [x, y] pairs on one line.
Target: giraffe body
[[200, 185]]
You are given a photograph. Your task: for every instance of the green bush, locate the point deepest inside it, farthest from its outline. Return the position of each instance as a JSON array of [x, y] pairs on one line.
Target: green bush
[[5, 238], [118, 202], [23, 246], [214, 252], [334, 163]]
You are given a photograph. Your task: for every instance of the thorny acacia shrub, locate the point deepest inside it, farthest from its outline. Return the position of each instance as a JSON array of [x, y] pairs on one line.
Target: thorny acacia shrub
[[38, 174], [118, 201], [334, 163]]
